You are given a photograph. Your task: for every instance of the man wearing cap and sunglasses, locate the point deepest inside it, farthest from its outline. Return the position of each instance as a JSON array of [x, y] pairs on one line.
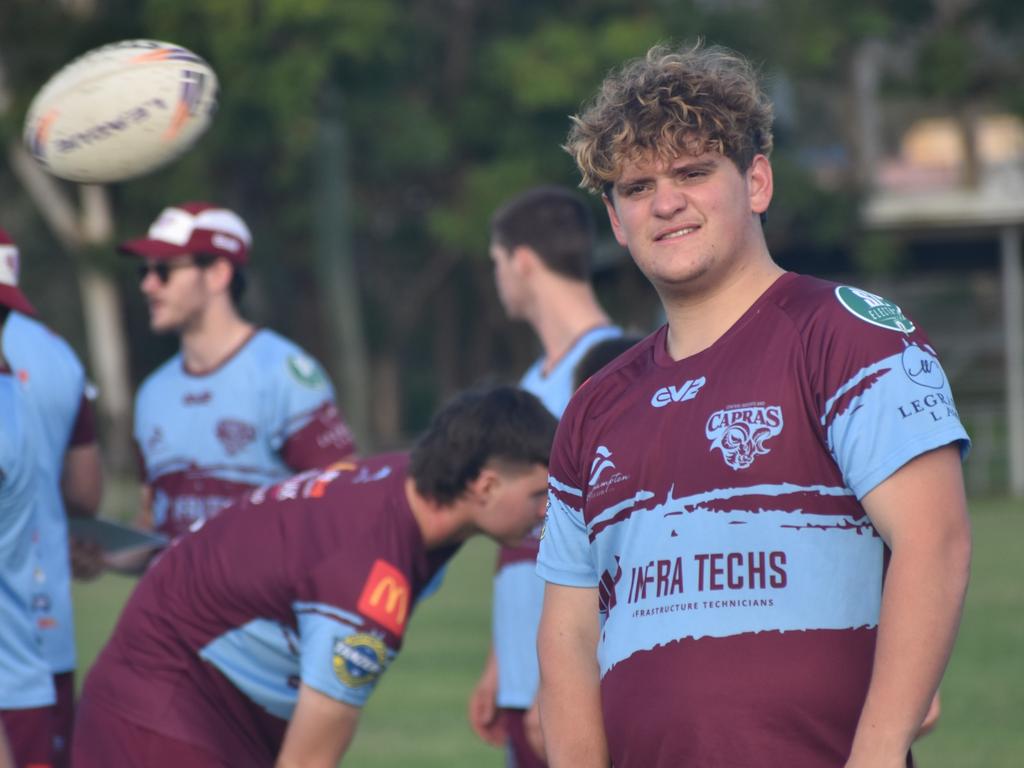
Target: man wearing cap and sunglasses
[[67, 478], [238, 406]]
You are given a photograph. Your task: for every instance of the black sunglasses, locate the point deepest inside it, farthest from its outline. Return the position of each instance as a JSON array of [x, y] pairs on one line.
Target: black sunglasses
[[163, 269]]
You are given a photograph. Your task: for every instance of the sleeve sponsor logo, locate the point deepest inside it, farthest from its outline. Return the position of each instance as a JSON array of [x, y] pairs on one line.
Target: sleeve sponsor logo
[[385, 597], [741, 433], [671, 394], [922, 367], [358, 659], [305, 370], [873, 309], [603, 473]]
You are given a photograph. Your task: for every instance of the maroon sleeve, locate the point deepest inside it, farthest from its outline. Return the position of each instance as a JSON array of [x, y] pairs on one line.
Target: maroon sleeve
[[84, 430], [324, 439], [140, 461]]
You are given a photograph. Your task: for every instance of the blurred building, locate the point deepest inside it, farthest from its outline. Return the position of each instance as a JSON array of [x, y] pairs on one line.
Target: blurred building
[[962, 181]]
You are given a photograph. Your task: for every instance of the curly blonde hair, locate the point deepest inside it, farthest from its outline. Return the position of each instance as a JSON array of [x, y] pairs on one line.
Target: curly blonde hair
[[695, 100]]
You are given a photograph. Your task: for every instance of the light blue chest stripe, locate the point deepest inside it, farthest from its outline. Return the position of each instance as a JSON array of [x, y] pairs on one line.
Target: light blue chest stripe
[[855, 380], [259, 658], [558, 485], [331, 611], [719, 494]]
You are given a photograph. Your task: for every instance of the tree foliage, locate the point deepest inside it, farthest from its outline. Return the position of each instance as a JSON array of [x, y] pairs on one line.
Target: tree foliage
[[450, 106]]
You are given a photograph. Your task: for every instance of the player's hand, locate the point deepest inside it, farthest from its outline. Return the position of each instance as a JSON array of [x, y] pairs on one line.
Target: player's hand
[[87, 561], [531, 727], [484, 717]]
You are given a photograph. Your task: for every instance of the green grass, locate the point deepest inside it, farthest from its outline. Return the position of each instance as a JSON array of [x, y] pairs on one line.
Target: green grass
[[417, 715]]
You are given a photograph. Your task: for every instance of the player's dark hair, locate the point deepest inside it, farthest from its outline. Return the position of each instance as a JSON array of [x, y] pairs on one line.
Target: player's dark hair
[[4, 312], [502, 425], [552, 221], [237, 285], [599, 355], [236, 288]]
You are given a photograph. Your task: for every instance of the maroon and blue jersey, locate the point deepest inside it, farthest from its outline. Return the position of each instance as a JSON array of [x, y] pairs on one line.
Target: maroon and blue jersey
[[205, 439], [311, 580], [714, 503]]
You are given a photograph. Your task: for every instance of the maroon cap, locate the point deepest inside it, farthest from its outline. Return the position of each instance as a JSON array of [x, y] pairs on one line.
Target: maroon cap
[[193, 228], [10, 295]]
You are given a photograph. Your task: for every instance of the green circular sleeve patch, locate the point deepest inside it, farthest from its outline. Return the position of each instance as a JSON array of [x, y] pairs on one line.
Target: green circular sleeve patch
[[873, 309], [306, 371]]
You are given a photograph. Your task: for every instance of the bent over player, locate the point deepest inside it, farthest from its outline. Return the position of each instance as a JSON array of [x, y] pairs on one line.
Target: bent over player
[[757, 546], [262, 634], [238, 406]]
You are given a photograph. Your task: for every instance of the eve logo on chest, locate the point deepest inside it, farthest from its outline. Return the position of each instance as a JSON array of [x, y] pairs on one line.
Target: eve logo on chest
[[670, 394]]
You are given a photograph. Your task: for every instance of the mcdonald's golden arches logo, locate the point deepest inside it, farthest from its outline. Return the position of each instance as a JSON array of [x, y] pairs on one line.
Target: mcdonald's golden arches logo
[[385, 597]]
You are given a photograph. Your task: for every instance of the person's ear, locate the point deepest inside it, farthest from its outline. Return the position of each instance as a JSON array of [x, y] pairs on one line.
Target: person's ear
[[219, 274], [613, 219], [760, 184], [483, 486], [524, 259]]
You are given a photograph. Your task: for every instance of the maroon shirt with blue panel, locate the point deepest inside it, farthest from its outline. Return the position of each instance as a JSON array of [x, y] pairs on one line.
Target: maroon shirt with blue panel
[[714, 502], [310, 580]]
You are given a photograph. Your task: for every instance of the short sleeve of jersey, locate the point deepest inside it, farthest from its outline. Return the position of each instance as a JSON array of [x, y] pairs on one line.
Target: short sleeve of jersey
[[882, 393], [565, 555], [342, 653], [306, 428], [84, 430]]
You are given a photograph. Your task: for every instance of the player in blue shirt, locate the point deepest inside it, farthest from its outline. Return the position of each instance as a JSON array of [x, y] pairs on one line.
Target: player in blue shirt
[[238, 406], [67, 460], [541, 245], [26, 683]]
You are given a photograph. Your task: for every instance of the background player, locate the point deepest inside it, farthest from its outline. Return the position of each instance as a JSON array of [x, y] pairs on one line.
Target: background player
[[291, 604], [541, 246], [600, 355], [238, 406], [26, 683], [726, 496], [67, 458]]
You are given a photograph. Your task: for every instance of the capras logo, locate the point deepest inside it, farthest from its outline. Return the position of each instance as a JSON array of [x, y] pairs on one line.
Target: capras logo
[[741, 432], [670, 394]]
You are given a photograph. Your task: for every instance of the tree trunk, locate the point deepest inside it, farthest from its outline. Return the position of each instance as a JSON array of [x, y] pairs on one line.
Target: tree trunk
[[79, 233]]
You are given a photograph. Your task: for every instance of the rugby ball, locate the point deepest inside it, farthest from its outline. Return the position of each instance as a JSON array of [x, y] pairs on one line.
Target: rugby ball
[[121, 111]]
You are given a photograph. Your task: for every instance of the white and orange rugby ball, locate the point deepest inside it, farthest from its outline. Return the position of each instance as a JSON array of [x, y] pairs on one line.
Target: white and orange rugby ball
[[121, 111]]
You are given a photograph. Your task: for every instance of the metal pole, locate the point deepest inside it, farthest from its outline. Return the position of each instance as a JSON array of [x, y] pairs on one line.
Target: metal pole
[[1013, 319]]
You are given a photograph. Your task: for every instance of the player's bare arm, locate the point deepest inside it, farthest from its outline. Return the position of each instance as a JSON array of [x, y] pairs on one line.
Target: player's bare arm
[[82, 479], [570, 693], [82, 489], [319, 732], [921, 513]]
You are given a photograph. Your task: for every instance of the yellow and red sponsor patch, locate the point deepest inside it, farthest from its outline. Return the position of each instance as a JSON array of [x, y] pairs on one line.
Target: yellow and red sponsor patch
[[386, 597]]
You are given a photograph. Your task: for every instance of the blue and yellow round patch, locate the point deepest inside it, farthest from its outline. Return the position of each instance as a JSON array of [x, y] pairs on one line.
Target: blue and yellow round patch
[[358, 659]]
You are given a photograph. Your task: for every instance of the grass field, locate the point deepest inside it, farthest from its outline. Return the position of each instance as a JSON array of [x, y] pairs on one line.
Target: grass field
[[417, 716]]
